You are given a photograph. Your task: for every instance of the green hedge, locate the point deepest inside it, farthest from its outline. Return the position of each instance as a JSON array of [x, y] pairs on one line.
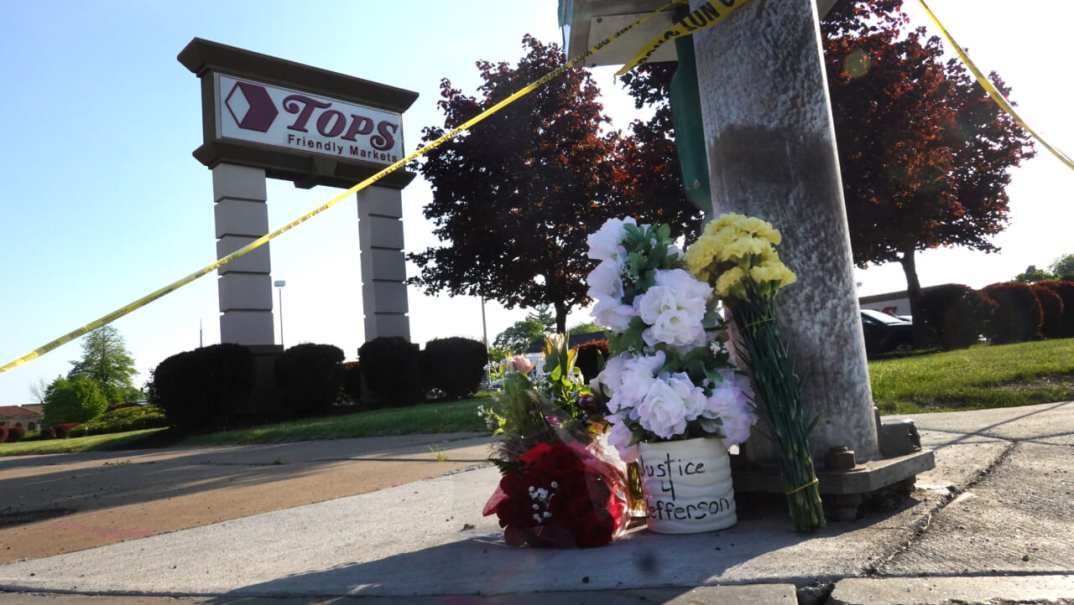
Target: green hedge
[[309, 377], [391, 369], [455, 366], [204, 388]]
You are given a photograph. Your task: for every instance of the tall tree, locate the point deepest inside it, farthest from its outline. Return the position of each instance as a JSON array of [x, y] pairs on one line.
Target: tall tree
[[1063, 267], [648, 162], [924, 152], [106, 361], [543, 315], [515, 198], [520, 336]]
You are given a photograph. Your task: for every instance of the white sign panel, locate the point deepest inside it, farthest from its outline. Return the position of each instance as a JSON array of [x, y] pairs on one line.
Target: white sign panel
[[299, 121]]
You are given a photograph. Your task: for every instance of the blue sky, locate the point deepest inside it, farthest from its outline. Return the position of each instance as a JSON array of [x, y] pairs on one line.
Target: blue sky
[[102, 201]]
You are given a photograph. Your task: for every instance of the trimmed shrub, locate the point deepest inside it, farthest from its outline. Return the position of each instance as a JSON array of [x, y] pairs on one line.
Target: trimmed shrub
[[591, 357], [309, 377], [455, 366], [1065, 290], [58, 431], [118, 420], [352, 381], [933, 307], [15, 433], [3, 434], [206, 387], [966, 320], [391, 369], [73, 400], [1051, 306], [1018, 313]]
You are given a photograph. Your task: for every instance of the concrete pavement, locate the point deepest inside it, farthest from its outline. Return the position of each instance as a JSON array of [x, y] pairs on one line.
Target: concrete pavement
[[64, 503], [998, 503]]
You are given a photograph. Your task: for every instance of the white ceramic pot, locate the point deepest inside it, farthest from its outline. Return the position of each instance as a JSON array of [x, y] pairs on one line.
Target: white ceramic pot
[[688, 486]]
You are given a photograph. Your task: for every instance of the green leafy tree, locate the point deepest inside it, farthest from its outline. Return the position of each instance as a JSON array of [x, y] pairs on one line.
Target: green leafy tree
[[543, 314], [520, 336], [1033, 274], [106, 361], [1063, 268], [77, 399]]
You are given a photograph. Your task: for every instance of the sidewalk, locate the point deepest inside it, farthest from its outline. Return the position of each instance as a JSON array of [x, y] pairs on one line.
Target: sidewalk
[[998, 504], [82, 501]]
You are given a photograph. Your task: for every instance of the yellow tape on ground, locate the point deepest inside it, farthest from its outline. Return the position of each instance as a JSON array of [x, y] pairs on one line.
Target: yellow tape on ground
[[704, 17], [994, 92], [264, 239]]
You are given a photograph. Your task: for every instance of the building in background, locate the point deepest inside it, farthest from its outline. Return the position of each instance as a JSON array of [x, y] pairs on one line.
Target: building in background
[[27, 417]]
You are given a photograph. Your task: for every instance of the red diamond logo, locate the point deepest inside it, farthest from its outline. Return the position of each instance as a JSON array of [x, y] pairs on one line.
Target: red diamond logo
[[251, 106]]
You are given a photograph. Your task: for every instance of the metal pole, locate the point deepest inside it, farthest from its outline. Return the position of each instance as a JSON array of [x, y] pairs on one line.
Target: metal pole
[[280, 290], [484, 326]]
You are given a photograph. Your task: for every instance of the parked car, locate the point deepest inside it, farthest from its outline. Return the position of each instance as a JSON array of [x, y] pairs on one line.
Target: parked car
[[885, 333]]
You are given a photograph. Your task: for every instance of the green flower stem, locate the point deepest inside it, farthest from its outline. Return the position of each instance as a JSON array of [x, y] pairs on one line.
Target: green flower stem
[[778, 396]]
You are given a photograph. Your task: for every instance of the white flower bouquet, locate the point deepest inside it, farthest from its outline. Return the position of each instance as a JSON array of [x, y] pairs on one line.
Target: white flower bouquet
[[670, 377]]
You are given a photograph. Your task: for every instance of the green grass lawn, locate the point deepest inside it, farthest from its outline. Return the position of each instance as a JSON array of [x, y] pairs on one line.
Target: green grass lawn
[[92, 443], [455, 417], [983, 376]]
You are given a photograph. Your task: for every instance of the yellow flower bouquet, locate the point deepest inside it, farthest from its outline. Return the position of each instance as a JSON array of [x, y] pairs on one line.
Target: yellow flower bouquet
[[737, 255]]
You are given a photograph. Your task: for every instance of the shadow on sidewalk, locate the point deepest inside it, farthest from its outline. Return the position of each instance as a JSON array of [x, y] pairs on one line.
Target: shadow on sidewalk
[[469, 570]]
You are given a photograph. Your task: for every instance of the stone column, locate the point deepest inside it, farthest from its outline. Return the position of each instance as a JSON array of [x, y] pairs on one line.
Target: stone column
[[771, 153], [380, 238], [245, 286]]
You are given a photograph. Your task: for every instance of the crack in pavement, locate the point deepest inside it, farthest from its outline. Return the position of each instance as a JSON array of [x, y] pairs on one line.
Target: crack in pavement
[[922, 526]]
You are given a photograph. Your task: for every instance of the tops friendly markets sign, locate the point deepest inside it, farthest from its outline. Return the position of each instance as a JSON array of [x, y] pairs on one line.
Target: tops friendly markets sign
[[253, 111], [296, 122]]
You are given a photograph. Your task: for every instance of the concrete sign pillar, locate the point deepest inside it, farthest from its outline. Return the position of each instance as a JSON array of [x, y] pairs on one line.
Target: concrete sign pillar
[[267, 117], [771, 153], [245, 284], [380, 237]]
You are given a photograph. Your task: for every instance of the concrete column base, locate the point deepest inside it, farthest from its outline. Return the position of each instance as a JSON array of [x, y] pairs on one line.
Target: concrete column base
[[380, 238], [843, 491], [245, 285]]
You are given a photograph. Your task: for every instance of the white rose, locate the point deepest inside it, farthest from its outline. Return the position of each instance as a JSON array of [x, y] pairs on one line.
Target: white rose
[[692, 396], [638, 374], [605, 243], [605, 282], [675, 309], [621, 438], [612, 314], [662, 412], [611, 377], [730, 402]]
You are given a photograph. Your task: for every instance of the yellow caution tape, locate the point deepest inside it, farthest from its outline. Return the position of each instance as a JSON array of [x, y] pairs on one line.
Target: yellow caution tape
[[709, 14], [264, 239], [994, 92]]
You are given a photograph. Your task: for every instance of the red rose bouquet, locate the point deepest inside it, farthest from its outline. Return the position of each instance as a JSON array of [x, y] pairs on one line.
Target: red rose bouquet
[[559, 495]]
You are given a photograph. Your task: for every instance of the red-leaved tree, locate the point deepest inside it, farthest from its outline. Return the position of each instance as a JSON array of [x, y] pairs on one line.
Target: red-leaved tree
[[924, 152], [515, 197]]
